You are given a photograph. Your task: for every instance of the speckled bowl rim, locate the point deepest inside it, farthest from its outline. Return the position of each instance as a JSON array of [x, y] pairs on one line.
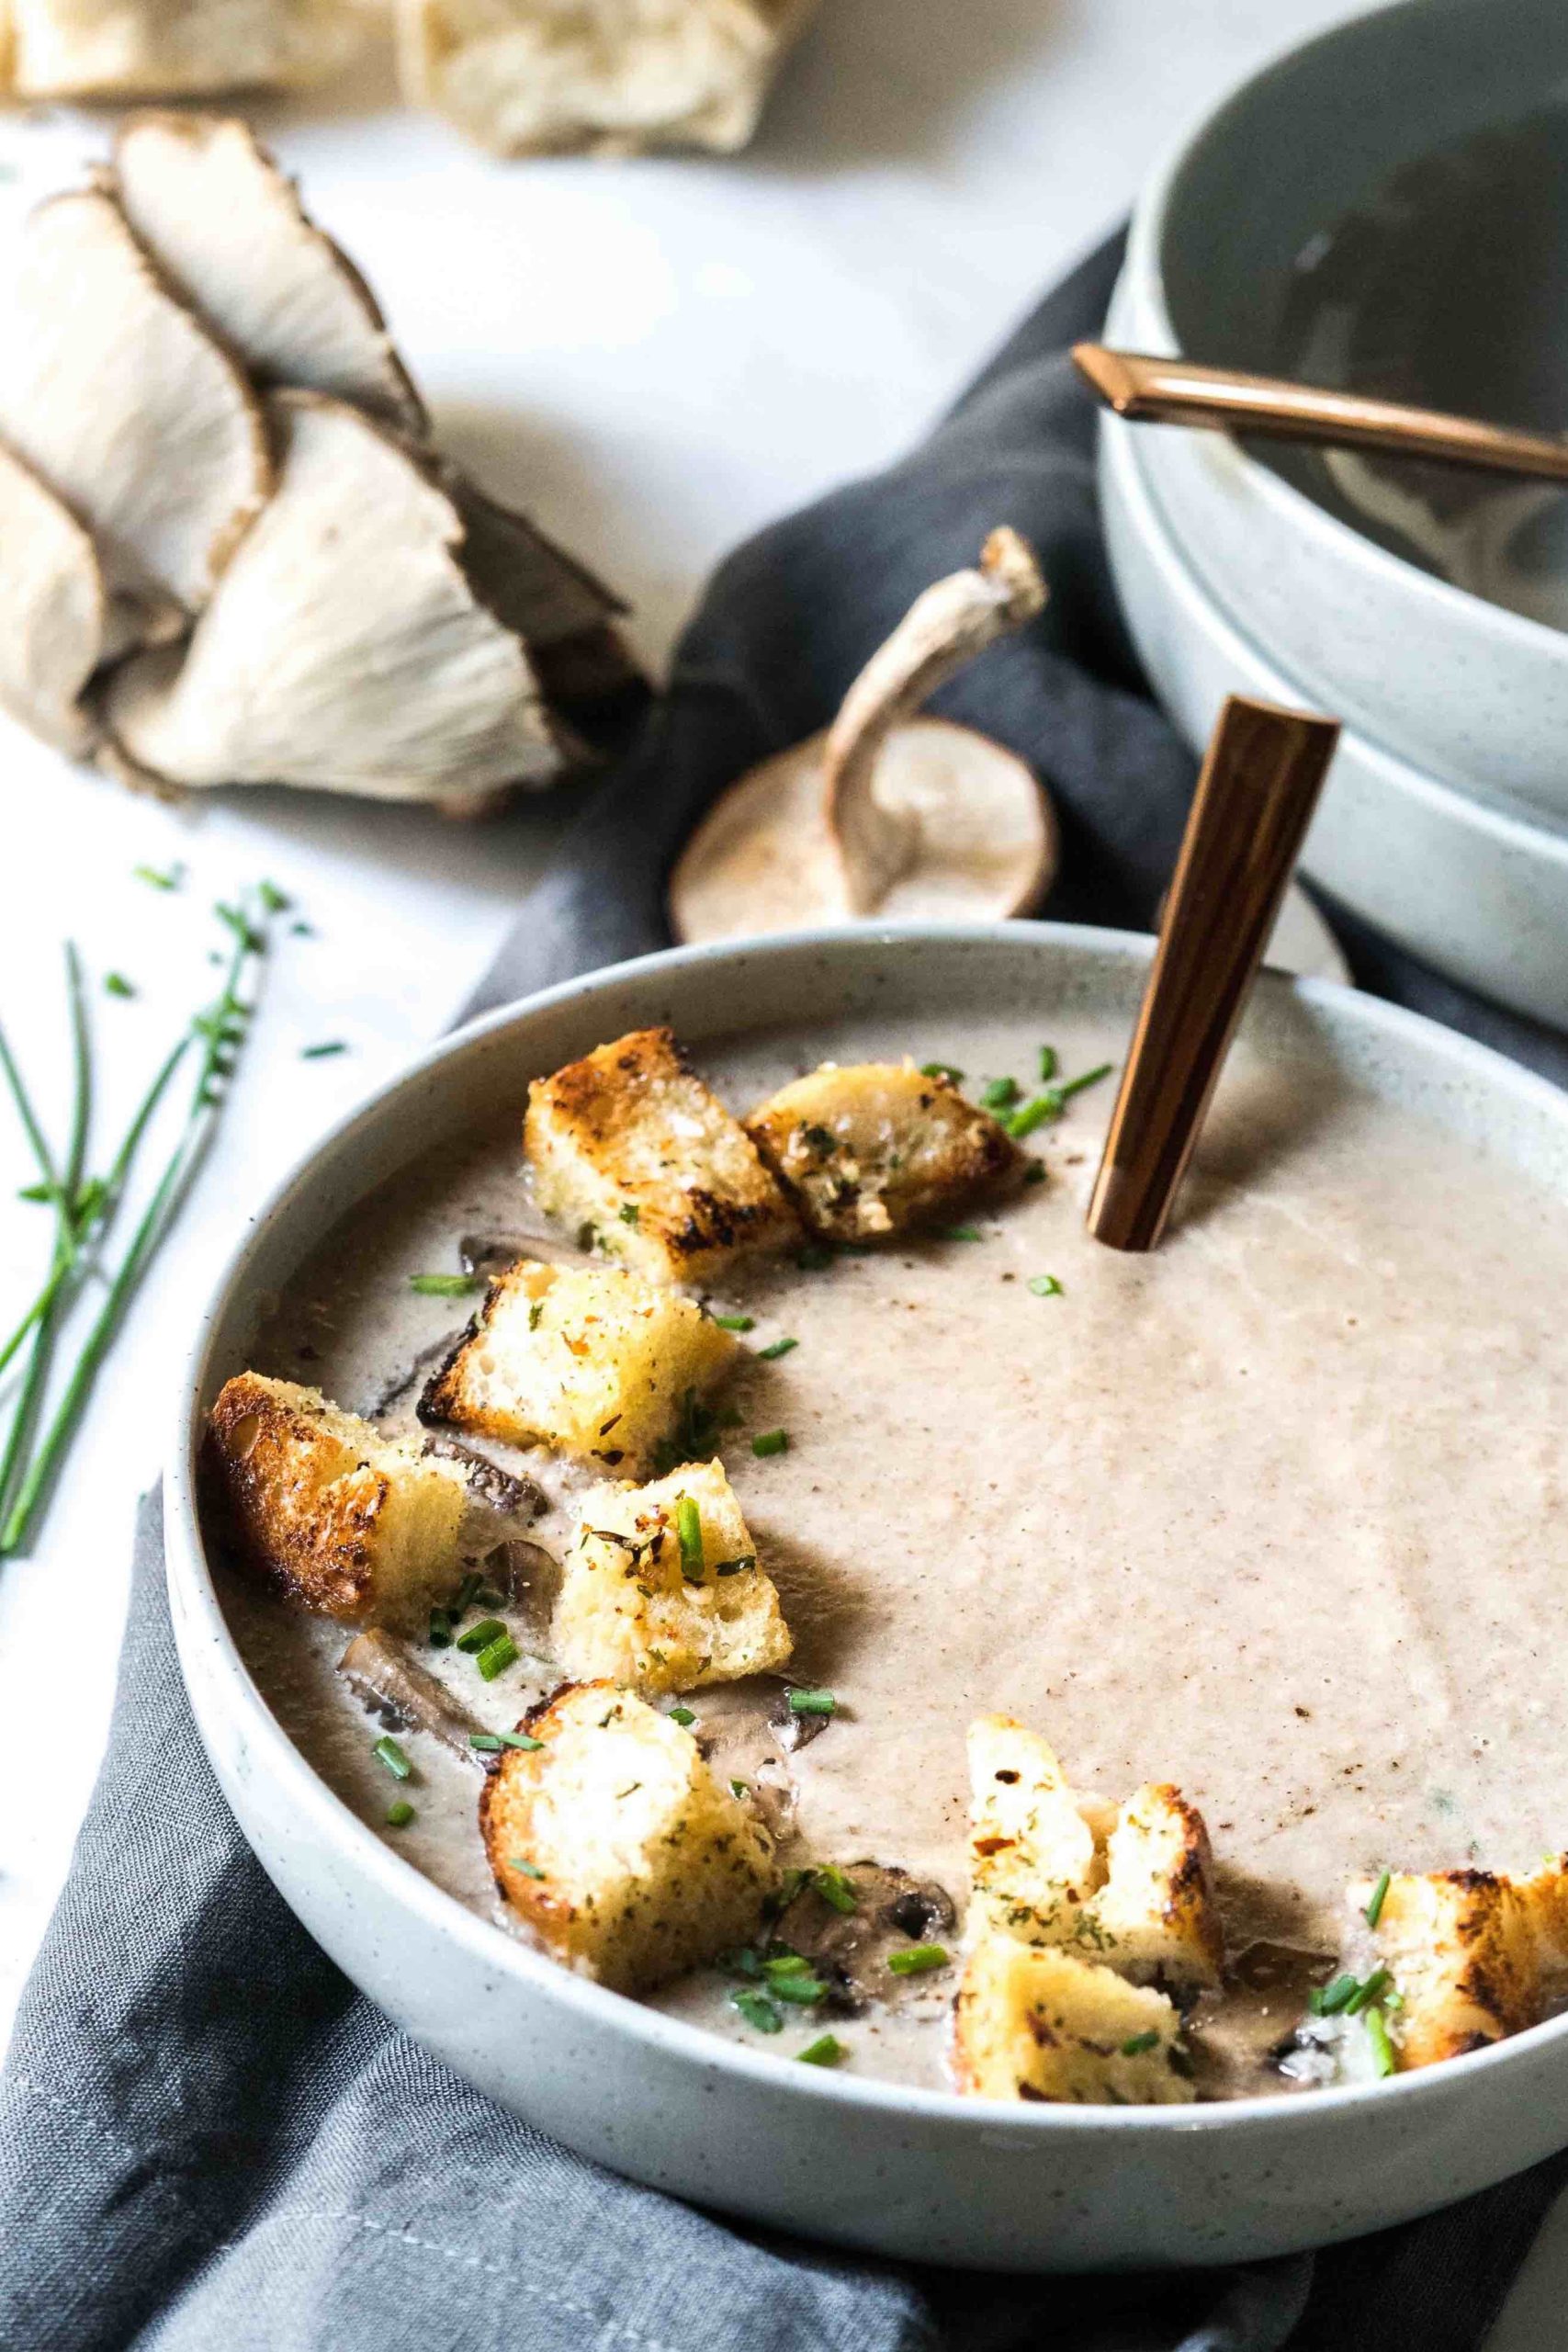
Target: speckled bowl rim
[[368, 1857], [1153, 226]]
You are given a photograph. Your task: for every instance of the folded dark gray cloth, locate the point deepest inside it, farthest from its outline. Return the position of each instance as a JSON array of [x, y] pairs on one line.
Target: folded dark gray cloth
[[207, 2139]]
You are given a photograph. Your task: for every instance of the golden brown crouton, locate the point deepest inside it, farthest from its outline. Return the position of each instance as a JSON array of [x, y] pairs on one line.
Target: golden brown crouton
[[594, 1361], [1459, 1947], [629, 1145], [1544, 1895], [350, 1522], [616, 1844], [660, 1589], [1156, 1916], [874, 1149], [1032, 2022]]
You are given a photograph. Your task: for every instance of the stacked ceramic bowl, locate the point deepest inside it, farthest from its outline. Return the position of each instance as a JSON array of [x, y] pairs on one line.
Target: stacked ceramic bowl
[[1386, 209]]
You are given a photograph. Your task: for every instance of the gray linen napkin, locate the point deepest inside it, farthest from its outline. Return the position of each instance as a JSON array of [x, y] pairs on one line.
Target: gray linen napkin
[[207, 2137]]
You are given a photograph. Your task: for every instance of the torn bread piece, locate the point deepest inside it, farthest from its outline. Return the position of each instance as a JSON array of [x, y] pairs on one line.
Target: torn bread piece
[[1133, 1887], [629, 1145], [878, 1147], [125, 48], [592, 1362], [349, 1522], [1460, 1946], [1035, 2023], [208, 201], [612, 76], [662, 1589], [118, 397], [614, 1840], [53, 610], [345, 650]]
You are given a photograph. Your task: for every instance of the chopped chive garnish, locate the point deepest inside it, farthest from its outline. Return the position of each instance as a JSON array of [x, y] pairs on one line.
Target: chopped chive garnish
[[739, 1787], [787, 1963], [825, 2051], [735, 1322], [630, 1211], [115, 984], [1337, 1996], [388, 1753], [742, 1962], [769, 1441], [300, 931], [802, 1992], [1032, 1114], [1045, 1286], [491, 1743], [1047, 1063], [757, 2010], [1374, 1911], [1366, 1994], [440, 1630], [1089, 1078], [487, 1599], [528, 1869], [959, 1233], [498, 1657], [36, 1193], [682, 1715], [811, 1702], [446, 1286], [325, 1051], [480, 1637], [464, 1597], [814, 1259], [943, 1069], [399, 1814], [487, 1742], [915, 1959], [1140, 2042], [168, 880], [1001, 1094], [775, 1348], [689, 1535], [1381, 2046], [835, 1888]]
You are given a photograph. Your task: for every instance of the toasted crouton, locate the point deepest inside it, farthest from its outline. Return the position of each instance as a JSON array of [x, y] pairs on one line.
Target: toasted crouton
[[873, 1150], [1544, 1895], [616, 1844], [592, 1362], [1155, 1913], [641, 1606], [350, 1522], [1032, 2022], [1033, 1862], [629, 1144], [1461, 1949]]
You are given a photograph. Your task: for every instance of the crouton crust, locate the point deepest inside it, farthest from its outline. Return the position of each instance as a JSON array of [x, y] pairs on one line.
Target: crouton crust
[[1156, 1915], [591, 1360], [1034, 2022], [345, 1520], [1462, 1950], [875, 1147], [630, 1143], [635, 1610], [618, 1846]]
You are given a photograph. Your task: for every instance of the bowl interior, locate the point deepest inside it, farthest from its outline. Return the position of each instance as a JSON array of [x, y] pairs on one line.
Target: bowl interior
[[1386, 210]]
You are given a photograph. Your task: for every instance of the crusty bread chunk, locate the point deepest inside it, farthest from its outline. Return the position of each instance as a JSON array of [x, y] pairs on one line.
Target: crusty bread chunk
[[660, 1587], [872, 1149], [618, 1845], [629, 1144], [593, 1362], [1047, 1868], [1543, 1891], [1034, 2022], [1462, 1952], [351, 1522]]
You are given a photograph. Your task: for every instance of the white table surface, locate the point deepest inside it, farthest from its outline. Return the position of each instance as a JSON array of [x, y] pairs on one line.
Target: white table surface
[[655, 358]]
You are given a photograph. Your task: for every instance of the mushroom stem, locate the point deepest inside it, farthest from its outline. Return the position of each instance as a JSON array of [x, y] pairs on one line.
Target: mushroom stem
[[941, 632]]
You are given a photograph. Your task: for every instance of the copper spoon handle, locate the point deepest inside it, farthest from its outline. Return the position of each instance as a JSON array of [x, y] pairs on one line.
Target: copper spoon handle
[[1261, 778], [1145, 388]]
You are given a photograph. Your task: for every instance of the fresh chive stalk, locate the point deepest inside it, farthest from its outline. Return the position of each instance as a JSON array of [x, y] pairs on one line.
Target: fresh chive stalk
[[1374, 1911], [917, 1960], [735, 1322], [496, 1658], [388, 1751], [446, 1286], [769, 1441], [812, 1702], [825, 2051], [689, 1535], [399, 1814], [775, 1348]]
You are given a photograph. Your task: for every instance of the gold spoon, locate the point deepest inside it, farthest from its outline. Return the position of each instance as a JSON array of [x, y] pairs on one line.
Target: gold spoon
[[1261, 778], [1148, 390]]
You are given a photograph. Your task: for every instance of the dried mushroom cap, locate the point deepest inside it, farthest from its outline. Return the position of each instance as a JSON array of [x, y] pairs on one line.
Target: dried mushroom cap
[[119, 398], [53, 610], [210, 203], [347, 649], [613, 77], [885, 814], [172, 48]]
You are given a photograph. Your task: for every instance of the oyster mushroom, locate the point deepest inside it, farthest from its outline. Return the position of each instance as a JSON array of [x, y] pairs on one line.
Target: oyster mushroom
[[879, 1909], [380, 1669], [885, 814], [613, 77], [207, 198], [84, 48], [53, 610], [345, 649], [123, 403]]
